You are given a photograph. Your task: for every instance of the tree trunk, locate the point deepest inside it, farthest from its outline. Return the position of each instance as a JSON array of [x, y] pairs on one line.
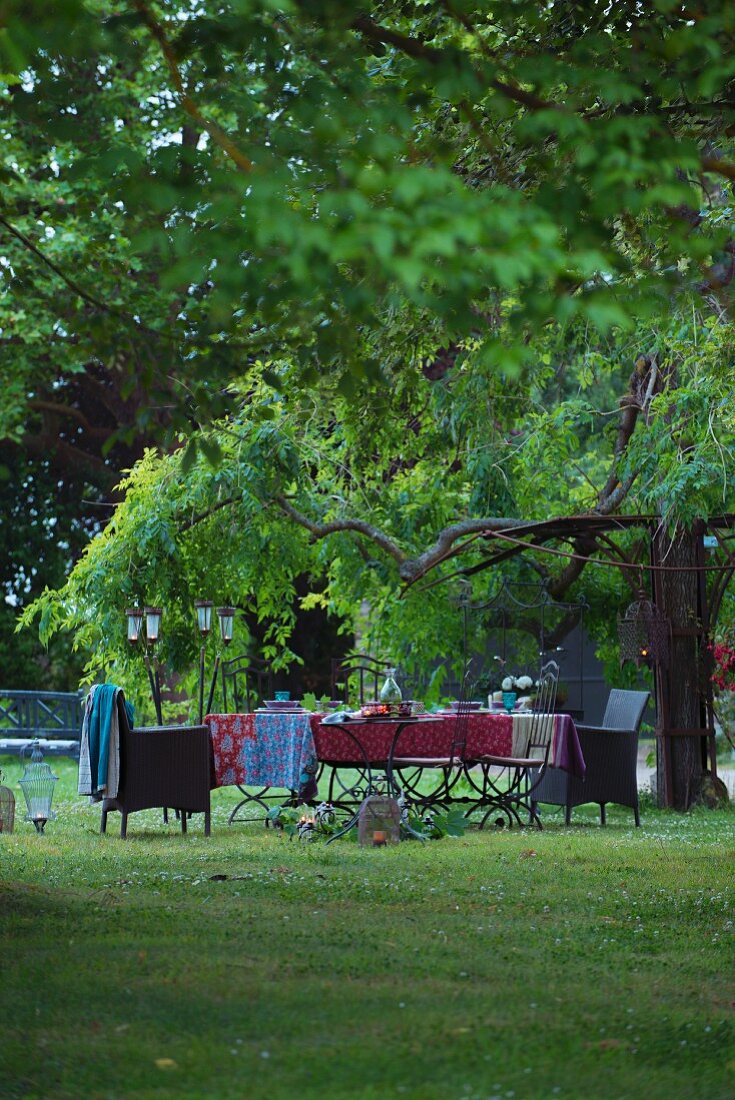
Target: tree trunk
[[679, 754]]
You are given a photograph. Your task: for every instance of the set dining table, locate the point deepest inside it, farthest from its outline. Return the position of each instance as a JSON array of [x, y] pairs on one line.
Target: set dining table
[[296, 750]]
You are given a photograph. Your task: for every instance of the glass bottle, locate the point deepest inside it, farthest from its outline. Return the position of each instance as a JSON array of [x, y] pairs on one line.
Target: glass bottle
[[390, 691]]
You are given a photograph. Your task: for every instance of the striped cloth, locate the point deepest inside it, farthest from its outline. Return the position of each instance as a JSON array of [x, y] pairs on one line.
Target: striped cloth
[[99, 749]]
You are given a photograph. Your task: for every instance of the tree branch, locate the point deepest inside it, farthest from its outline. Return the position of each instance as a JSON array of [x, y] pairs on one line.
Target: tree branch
[[641, 387], [321, 530], [414, 47], [218, 136], [414, 568], [719, 167], [78, 290]]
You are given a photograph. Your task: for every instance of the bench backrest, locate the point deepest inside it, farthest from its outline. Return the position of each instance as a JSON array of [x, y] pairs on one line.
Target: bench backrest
[[54, 715]]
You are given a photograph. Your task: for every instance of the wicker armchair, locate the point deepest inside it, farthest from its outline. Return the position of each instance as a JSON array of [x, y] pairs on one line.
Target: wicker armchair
[[610, 753], [161, 766]]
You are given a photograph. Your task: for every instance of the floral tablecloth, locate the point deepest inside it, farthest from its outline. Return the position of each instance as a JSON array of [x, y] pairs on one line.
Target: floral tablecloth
[[494, 734], [282, 750], [264, 750]]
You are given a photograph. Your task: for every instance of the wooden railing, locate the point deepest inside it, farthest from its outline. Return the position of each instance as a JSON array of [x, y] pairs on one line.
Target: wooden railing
[[54, 717]]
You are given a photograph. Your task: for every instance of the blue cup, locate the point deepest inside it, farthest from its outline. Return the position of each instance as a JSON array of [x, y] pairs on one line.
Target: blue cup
[[509, 699], [283, 696]]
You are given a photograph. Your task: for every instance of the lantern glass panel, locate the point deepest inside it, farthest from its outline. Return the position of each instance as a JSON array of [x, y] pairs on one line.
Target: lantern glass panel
[[204, 615], [226, 623], [135, 623], [153, 623]]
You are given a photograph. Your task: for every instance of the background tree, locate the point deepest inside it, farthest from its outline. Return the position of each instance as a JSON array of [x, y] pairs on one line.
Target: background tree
[[305, 198]]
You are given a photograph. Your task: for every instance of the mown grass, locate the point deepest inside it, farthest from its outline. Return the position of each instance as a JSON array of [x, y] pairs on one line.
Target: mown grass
[[565, 963]]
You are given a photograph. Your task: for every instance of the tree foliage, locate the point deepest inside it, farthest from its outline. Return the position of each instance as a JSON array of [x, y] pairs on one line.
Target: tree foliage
[[390, 278], [190, 188]]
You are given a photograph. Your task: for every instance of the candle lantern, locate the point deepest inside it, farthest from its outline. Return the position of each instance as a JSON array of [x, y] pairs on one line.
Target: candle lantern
[[7, 809], [644, 633], [153, 623], [379, 822], [135, 624], [226, 623], [37, 784], [204, 615]]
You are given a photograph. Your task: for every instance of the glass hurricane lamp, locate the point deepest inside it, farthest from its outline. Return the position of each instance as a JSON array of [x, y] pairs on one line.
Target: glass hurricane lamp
[[37, 784], [390, 692]]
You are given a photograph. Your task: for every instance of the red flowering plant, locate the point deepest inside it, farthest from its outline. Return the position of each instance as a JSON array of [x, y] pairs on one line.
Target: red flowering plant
[[723, 672], [723, 681]]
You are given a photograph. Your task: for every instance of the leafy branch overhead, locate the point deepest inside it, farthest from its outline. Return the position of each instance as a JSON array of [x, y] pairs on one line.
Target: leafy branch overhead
[[185, 196]]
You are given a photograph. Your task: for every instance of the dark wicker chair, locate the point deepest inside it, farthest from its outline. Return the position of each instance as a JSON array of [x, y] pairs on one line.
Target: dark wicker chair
[[249, 681], [610, 753], [161, 766]]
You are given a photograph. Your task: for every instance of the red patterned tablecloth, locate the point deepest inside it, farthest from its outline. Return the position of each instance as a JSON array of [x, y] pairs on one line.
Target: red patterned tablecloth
[[280, 750], [494, 734]]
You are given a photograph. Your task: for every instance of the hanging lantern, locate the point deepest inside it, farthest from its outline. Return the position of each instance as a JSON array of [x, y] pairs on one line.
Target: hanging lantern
[[153, 623], [226, 623], [644, 633], [203, 609], [135, 623], [7, 809], [379, 821], [37, 784]]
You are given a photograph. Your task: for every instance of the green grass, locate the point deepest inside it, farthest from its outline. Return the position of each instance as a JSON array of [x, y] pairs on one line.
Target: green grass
[[565, 963]]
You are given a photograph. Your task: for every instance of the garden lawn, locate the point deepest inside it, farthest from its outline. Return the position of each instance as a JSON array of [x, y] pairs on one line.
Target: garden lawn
[[573, 962]]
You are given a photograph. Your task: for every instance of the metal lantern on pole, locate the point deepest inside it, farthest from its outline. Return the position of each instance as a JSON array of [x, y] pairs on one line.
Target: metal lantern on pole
[[226, 623], [135, 624], [152, 617], [226, 617], [37, 784], [7, 809], [203, 610], [153, 623]]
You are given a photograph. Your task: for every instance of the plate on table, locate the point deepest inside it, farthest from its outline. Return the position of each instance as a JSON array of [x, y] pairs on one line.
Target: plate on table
[[291, 710], [467, 706], [282, 704]]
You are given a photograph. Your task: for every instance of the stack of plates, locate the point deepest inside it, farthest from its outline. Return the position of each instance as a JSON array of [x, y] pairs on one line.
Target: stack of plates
[[282, 704]]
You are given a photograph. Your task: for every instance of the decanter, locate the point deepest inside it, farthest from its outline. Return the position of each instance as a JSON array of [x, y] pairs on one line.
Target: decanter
[[390, 691]]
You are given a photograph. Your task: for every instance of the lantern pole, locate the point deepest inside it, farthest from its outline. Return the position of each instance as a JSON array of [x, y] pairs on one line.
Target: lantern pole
[[153, 617], [226, 616], [203, 610]]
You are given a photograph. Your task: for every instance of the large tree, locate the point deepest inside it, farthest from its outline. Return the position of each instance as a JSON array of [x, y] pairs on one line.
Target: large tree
[[449, 202]]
